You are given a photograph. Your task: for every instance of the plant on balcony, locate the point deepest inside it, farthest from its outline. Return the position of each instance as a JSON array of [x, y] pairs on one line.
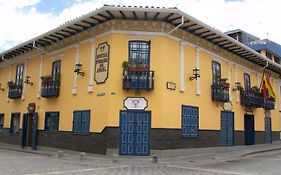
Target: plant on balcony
[[224, 83], [46, 79], [11, 84], [138, 67]]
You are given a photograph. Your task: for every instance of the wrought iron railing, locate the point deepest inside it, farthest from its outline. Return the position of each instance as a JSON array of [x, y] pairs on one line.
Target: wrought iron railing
[[50, 89], [269, 104], [139, 79], [251, 99], [220, 93], [15, 92]]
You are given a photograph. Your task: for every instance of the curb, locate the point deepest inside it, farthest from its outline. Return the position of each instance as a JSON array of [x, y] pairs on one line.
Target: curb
[[260, 152]]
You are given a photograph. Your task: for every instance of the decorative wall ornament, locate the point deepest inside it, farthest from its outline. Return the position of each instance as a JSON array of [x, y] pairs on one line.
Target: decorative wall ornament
[[102, 63], [170, 85], [227, 106], [136, 103]]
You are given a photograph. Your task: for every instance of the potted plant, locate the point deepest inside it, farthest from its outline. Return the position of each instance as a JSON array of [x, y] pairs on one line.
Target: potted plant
[[224, 84], [11, 84], [46, 79]]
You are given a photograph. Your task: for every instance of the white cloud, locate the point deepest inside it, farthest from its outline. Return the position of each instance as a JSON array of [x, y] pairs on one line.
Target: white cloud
[[255, 17]]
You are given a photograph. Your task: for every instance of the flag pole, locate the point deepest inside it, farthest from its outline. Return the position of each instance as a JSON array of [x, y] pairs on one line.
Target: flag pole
[[262, 78]]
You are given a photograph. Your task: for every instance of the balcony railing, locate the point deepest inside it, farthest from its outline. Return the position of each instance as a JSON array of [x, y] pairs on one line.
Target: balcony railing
[[50, 89], [251, 99], [269, 104], [140, 79], [220, 93], [15, 91]]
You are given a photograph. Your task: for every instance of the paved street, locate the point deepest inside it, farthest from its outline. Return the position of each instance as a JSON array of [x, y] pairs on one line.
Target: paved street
[[212, 163]]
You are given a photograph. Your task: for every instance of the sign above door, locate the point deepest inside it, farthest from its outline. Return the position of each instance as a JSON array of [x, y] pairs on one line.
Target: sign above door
[[135, 103]]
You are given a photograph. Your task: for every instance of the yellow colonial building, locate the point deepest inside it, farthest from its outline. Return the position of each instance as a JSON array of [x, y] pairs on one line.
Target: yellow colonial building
[[134, 80]]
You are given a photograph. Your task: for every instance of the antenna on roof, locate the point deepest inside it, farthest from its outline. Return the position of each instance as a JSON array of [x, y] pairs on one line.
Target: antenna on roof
[[267, 34]]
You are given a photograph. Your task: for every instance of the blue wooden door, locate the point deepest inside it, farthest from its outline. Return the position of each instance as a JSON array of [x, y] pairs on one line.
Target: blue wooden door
[[249, 127], [227, 128], [268, 132], [134, 132], [24, 130], [34, 126]]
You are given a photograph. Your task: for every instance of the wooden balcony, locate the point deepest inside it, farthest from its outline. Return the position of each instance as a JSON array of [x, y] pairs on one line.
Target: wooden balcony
[[15, 92], [138, 78], [220, 93], [269, 104], [50, 89], [252, 99]]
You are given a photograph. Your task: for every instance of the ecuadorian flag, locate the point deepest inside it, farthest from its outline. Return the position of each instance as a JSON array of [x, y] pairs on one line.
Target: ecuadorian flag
[[267, 88]]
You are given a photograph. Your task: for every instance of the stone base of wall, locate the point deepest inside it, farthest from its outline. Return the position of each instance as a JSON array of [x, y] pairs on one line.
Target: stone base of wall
[[161, 139]]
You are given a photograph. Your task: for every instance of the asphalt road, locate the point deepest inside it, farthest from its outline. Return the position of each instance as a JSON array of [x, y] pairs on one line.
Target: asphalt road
[[224, 163]]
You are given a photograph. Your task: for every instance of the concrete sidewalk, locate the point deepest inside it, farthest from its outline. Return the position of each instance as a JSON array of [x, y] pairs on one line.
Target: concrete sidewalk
[[193, 154]]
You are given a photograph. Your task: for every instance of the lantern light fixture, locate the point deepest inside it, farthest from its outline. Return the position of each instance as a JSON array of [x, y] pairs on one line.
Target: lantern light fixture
[[196, 74], [78, 68], [237, 86], [27, 80], [1, 87]]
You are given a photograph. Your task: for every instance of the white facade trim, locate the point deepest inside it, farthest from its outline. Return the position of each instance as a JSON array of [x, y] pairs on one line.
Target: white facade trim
[[10, 79], [25, 72], [236, 80], [182, 86], [229, 81], [40, 75], [92, 65], [198, 67], [77, 57]]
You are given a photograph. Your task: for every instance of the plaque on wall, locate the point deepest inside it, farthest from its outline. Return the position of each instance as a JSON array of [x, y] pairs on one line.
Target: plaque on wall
[[171, 85], [136, 103], [102, 63]]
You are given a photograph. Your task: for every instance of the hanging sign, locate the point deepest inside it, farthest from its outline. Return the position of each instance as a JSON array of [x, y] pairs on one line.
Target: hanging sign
[[102, 63], [227, 106], [136, 103]]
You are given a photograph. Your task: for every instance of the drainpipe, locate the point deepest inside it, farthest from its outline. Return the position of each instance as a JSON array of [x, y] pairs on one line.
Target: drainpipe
[[264, 67], [182, 21]]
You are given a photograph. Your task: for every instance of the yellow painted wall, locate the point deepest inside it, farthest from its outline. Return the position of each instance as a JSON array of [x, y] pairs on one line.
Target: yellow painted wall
[[165, 104]]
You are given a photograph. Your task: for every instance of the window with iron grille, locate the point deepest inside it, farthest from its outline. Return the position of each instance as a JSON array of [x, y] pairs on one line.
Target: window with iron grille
[[19, 75], [216, 72], [52, 121], [139, 52], [247, 82], [56, 70], [81, 122], [15, 123]]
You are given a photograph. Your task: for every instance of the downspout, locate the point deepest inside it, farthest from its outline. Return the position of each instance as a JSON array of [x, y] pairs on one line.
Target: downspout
[[2, 57], [34, 45], [182, 21], [264, 67]]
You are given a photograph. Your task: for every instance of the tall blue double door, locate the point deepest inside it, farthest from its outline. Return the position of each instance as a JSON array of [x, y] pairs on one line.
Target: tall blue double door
[[227, 128], [134, 132]]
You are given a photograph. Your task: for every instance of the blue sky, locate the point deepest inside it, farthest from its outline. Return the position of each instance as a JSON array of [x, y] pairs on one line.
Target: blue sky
[[22, 20]]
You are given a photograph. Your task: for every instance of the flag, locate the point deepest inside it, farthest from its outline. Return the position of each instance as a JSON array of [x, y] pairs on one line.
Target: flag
[[267, 88]]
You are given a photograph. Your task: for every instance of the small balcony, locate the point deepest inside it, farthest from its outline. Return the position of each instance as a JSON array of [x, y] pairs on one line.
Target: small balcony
[[50, 88], [269, 104], [253, 99], [138, 78], [15, 91], [220, 93]]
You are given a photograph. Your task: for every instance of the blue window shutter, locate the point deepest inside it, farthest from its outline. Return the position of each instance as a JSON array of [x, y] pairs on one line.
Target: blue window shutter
[[77, 122], [85, 121]]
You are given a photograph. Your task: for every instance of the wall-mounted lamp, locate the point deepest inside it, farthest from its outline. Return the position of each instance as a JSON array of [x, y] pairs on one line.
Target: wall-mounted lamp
[[237, 86], [196, 74], [27, 80], [78, 68], [1, 87]]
